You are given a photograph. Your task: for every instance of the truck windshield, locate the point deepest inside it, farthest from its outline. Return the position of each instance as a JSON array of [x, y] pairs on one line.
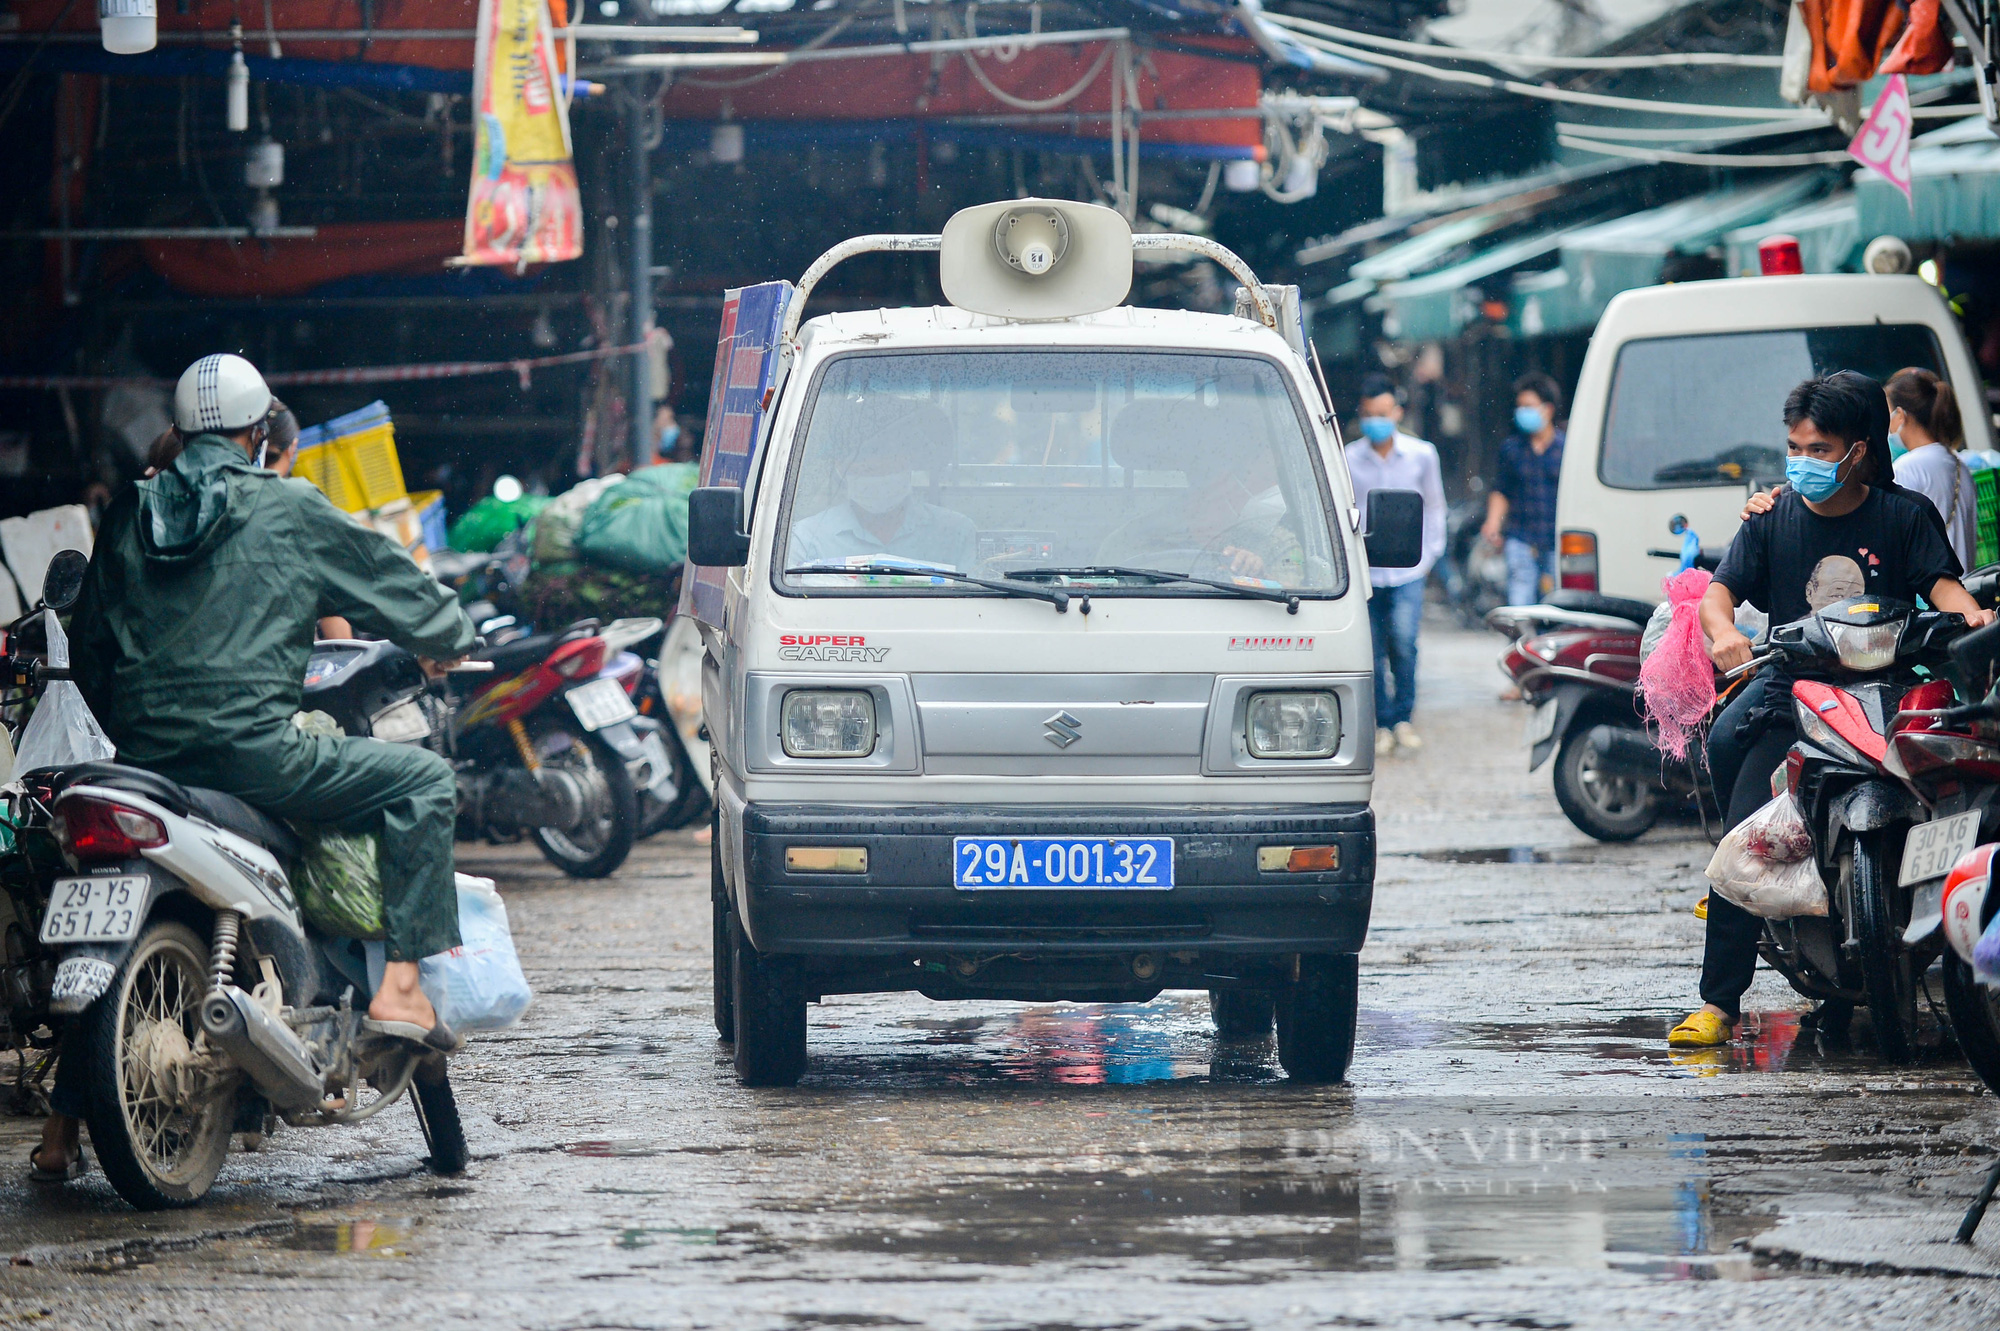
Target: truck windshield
[[1105, 471], [1709, 410]]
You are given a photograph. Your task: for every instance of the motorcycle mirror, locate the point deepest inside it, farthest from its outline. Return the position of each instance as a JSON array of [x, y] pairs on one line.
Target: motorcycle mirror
[[62, 584], [1677, 524]]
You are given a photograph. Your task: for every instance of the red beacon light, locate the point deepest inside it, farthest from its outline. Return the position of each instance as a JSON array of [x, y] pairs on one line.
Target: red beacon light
[[1778, 256]]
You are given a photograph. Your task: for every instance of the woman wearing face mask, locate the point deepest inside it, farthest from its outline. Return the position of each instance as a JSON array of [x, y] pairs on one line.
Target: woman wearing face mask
[[1925, 435]]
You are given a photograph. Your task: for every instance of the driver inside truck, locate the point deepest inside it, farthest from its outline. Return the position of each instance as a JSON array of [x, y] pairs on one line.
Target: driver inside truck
[[1842, 527], [875, 510]]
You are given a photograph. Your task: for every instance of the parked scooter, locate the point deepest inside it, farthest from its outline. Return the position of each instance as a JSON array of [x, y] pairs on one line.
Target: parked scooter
[[1854, 666], [177, 898], [542, 742]]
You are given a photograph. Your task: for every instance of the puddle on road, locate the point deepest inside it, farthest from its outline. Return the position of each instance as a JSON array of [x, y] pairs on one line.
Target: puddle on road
[[376, 1238]]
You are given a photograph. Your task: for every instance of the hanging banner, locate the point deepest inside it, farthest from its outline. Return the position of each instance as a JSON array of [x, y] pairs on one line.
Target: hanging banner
[[524, 207], [1883, 144]]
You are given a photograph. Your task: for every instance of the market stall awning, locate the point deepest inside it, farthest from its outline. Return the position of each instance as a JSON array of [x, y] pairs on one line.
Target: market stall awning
[[1954, 189], [1438, 305], [1827, 232]]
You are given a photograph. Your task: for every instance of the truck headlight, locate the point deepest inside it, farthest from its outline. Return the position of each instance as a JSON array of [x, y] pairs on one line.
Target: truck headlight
[[828, 723], [1292, 725]]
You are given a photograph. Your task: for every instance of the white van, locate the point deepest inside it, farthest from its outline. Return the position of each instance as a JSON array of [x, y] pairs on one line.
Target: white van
[[1680, 406], [1040, 669]]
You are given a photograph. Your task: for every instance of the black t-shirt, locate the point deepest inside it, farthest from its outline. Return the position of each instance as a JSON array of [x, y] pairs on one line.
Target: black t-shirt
[[1791, 561]]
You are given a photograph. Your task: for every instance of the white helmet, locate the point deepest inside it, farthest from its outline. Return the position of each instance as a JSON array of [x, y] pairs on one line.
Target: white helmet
[[220, 394]]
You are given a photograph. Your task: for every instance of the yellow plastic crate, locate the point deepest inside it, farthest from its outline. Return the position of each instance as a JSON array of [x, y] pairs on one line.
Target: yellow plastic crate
[[353, 459]]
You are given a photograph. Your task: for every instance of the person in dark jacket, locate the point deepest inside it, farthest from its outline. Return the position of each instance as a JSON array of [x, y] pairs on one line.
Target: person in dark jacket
[[190, 644]]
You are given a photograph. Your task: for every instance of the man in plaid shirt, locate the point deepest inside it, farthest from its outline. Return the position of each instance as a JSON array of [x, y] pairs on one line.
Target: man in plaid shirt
[[1521, 507]]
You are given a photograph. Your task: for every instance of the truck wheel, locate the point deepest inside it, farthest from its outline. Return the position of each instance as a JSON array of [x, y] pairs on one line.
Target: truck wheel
[[1885, 961], [159, 1123], [1242, 1015], [769, 1005], [437, 1115], [721, 962], [1316, 1018], [1607, 807], [1975, 1019]]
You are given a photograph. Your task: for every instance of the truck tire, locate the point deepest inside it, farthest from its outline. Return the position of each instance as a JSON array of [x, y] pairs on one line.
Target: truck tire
[[1885, 961], [768, 1001], [721, 961], [1242, 1015], [1316, 1018], [1600, 805]]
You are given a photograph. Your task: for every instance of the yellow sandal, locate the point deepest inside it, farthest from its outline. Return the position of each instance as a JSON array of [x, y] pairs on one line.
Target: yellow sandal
[[1701, 1029]]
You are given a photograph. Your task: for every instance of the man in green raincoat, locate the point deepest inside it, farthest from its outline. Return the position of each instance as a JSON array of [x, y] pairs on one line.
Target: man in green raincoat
[[191, 642]]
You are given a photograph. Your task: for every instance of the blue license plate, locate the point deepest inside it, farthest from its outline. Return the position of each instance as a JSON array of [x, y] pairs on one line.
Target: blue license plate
[[1111, 863]]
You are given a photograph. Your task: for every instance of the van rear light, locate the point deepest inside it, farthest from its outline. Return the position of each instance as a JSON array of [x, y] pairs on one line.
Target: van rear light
[[93, 829], [1576, 561]]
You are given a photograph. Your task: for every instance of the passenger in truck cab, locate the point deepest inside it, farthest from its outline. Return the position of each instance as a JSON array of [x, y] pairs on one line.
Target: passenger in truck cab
[[875, 510], [1841, 527]]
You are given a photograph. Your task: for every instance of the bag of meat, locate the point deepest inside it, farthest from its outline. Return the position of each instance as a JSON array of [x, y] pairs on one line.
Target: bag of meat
[[1765, 865]]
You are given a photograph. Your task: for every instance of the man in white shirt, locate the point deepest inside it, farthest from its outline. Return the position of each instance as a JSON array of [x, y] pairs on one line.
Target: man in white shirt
[[1383, 457]]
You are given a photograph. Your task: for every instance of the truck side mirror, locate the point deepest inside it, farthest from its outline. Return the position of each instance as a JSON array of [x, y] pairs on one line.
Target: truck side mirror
[[62, 584], [715, 527], [1394, 531]]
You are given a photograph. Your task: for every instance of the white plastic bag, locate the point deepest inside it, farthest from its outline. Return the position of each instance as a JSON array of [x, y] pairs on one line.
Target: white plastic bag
[[62, 732], [478, 985], [1765, 864]]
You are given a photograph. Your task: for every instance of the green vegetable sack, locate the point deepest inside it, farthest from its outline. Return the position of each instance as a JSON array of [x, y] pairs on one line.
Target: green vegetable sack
[[339, 883], [640, 526]]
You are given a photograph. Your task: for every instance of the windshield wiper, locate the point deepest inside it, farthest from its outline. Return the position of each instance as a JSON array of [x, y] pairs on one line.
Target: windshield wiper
[[1288, 599], [1058, 599]]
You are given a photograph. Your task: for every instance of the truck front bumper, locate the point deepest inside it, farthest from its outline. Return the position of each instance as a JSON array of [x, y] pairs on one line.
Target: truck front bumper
[[904, 905]]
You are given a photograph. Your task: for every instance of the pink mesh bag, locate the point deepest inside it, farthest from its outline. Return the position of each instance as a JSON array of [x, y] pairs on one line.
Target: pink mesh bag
[[1677, 682]]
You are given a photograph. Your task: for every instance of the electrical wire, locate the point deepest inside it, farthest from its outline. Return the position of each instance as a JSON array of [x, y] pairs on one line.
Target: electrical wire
[[761, 75], [1702, 159], [1044, 103], [1200, 208], [1504, 58], [1648, 105], [20, 83]]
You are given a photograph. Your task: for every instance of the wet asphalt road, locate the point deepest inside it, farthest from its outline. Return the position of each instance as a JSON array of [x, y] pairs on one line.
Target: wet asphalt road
[[1516, 1146]]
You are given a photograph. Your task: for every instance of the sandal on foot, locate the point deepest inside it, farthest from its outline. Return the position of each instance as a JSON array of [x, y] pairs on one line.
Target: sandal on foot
[[76, 1169], [1701, 1029], [439, 1037]]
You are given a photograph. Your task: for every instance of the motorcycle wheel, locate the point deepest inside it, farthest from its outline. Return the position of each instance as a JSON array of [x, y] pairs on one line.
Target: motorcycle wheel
[[769, 1005], [1316, 1015], [138, 1049], [1242, 1015], [601, 843], [437, 1115], [720, 960], [1885, 962], [1603, 806], [1975, 1019]]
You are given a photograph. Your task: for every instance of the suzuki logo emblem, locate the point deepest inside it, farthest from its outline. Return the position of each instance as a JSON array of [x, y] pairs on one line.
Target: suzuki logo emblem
[[1062, 730]]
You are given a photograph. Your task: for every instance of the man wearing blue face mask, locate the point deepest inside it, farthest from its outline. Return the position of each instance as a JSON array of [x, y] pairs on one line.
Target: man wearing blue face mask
[[879, 512], [1521, 507], [1841, 527], [1386, 458]]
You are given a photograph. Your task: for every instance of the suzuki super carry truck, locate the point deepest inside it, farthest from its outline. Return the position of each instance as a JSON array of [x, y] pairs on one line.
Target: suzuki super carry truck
[[1036, 663]]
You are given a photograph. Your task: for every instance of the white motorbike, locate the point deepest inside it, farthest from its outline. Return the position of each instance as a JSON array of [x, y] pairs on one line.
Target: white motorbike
[[204, 1003]]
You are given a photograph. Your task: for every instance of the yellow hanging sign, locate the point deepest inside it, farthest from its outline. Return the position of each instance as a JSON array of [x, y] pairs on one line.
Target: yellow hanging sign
[[524, 206]]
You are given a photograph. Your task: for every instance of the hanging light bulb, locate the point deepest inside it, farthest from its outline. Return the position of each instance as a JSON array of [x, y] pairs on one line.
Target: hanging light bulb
[[725, 143], [1241, 175], [239, 84], [128, 26]]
